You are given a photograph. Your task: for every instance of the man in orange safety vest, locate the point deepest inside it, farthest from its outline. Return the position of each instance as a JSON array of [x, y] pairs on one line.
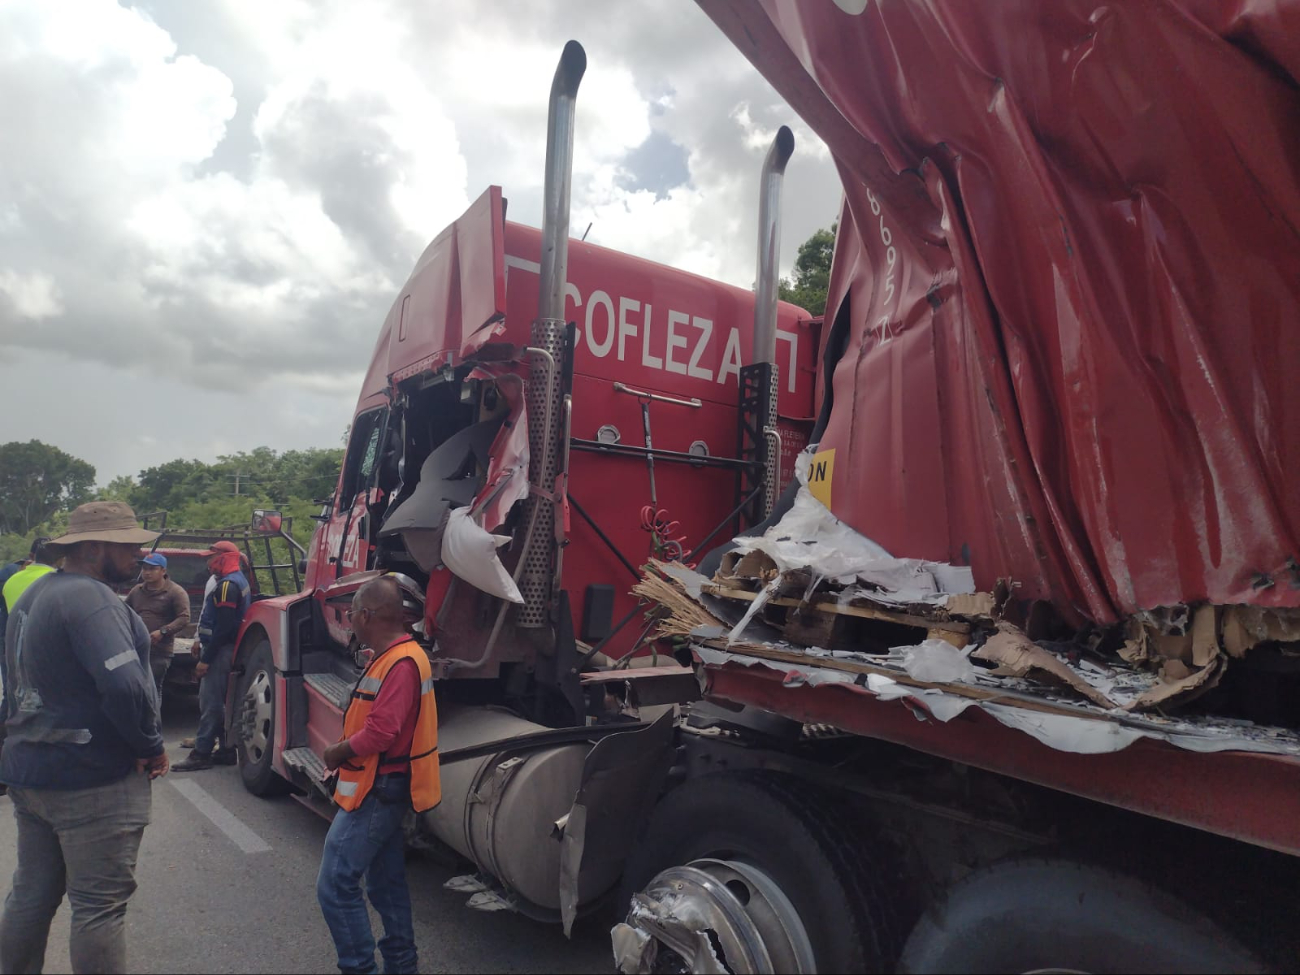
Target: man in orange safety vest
[[388, 764]]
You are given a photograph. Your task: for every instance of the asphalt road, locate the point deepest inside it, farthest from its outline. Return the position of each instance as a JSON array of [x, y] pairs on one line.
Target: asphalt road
[[241, 896]]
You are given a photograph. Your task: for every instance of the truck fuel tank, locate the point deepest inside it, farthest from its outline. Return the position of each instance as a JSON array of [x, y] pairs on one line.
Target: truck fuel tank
[[551, 819], [500, 810]]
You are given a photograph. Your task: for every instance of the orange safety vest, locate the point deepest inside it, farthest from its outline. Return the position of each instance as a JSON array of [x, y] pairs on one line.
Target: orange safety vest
[[357, 775]]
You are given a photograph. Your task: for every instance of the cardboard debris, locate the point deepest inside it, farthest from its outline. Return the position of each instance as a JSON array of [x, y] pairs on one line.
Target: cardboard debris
[[1018, 656], [1245, 626], [1205, 636], [983, 605], [756, 565], [1236, 640], [1173, 646], [1191, 638], [1137, 648], [1180, 688]]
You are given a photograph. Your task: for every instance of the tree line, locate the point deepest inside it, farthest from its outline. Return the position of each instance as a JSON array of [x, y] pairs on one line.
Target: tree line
[[40, 484]]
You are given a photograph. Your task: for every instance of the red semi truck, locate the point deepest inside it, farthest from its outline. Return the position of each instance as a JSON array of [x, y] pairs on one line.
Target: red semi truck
[[804, 810]]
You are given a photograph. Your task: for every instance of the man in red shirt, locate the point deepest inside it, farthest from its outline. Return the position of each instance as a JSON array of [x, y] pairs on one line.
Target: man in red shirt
[[367, 839]]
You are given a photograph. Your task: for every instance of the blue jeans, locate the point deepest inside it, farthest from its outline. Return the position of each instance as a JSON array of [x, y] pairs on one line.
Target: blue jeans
[[212, 701], [369, 842]]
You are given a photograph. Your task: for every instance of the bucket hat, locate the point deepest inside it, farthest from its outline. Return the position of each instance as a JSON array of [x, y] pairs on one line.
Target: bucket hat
[[104, 521]]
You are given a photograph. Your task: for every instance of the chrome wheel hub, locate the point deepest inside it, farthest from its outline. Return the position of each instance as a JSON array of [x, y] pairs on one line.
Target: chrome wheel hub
[[713, 916], [256, 715]]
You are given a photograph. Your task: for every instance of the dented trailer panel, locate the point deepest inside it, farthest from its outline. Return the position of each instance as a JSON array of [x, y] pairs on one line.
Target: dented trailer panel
[[1068, 269]]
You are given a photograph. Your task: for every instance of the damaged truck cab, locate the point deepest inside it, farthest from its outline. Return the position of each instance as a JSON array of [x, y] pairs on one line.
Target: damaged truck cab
[[539, 418]]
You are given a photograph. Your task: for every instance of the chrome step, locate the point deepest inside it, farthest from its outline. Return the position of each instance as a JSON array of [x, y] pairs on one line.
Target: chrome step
[[333, 688], [307, 761]]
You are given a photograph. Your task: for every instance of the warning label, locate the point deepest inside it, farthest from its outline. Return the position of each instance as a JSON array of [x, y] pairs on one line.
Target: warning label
[[821, 472]]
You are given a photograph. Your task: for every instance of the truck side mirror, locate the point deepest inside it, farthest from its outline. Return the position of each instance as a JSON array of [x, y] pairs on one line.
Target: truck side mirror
[[266, 520]]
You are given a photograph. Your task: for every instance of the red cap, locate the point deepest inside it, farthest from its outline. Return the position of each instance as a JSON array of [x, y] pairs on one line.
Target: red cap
[[223, 546]]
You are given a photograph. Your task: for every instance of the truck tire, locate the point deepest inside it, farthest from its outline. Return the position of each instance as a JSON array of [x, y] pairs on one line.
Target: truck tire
[[749, 832], [253, 724], [1030, 915]]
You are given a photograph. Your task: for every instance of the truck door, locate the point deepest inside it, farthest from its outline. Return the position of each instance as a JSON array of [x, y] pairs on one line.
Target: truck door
[[358, 492], [349, 530]]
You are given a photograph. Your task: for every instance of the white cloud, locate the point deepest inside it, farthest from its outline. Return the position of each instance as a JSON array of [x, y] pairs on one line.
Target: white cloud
[[33, 295], [234, 192]]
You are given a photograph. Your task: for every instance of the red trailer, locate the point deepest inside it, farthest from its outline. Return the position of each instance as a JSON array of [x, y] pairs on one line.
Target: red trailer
[[1023, 375]]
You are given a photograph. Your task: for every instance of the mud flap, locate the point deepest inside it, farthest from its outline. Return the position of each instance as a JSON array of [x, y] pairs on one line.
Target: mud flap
[[621, 779]]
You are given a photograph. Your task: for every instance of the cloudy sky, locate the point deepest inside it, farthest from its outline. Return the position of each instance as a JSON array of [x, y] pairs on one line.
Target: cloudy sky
[[206, 208]]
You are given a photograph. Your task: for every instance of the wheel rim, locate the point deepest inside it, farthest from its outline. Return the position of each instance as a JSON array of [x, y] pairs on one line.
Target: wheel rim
[[717, 916], [255, 719]]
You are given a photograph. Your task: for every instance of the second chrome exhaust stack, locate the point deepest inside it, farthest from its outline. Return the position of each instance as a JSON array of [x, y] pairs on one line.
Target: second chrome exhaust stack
[[762, 441], [769, 244]]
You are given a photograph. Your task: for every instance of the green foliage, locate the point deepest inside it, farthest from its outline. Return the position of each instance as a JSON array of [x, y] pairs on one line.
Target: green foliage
[[812, 272], [199, 495], [36, 480], [196, 494], [14, 546], [262, 477]]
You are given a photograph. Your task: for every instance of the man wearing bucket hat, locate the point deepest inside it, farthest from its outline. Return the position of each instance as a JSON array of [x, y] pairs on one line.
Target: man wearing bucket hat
[[165, 609], [223, 612], [81, 745]]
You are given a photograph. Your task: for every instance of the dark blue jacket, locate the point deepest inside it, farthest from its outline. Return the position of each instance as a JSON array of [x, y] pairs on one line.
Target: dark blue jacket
[[223, 614], [81, 700]]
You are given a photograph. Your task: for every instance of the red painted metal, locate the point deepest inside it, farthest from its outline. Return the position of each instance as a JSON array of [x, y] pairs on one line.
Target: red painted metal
[[453, 299], [1069, 261], [473, 295], [669, 332], [1253, 797]]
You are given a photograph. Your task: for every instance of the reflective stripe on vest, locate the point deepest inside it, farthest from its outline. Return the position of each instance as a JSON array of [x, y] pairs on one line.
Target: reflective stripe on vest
[[357, 775]]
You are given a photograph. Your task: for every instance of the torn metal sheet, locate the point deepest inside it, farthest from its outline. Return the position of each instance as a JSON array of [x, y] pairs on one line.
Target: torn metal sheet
[[506, 480], [621, 777], [448, 479], [1087, 730]]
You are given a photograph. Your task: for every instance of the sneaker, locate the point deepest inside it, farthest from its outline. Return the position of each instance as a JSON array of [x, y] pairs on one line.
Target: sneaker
[[195, 763], [187, 742], [223, 756]]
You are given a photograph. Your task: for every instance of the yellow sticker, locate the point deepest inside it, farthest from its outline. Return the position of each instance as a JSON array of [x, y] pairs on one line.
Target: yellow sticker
[[820, 474]]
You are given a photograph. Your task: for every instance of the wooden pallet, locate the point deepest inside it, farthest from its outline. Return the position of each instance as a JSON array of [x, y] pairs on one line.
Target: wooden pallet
[[825, 612]]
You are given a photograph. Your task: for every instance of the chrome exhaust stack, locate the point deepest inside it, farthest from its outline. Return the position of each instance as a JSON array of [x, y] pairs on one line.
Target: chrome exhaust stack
[[560, 127], [769, 245], [537, 560], [760, 440]]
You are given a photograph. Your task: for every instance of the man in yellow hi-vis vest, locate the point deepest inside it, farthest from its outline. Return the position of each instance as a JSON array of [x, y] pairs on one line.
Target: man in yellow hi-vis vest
[[387, 763]]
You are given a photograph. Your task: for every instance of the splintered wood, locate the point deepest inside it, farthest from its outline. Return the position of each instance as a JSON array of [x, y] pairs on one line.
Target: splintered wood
[[684, 613]]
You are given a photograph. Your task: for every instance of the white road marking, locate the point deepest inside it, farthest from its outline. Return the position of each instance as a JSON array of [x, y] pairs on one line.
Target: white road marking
[[221, 817]]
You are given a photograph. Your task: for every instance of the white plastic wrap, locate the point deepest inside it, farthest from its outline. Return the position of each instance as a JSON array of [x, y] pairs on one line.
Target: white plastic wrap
[[810, 537], [471, 553], [937, 662]]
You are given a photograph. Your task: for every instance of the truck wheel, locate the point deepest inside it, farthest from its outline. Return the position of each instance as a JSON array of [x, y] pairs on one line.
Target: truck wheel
[[750, 872], [1035, 915], [254, 725]]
